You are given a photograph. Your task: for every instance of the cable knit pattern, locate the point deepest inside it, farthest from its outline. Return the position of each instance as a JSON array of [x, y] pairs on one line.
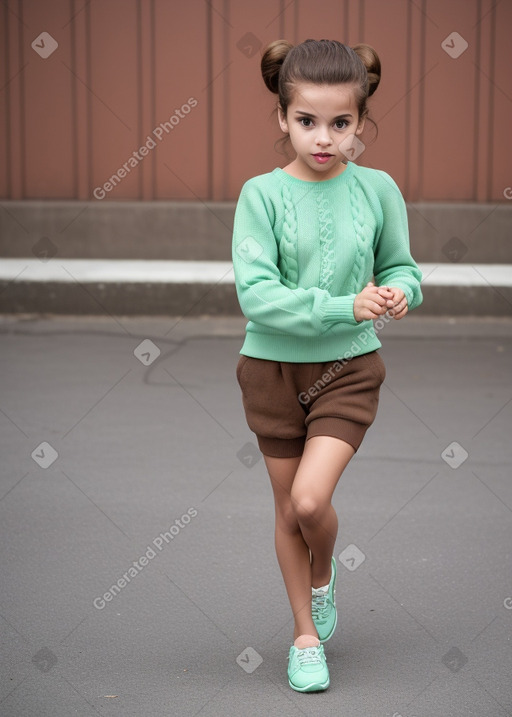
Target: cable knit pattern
[[288, 261], [357, 201], [303, 250], [327, 258]]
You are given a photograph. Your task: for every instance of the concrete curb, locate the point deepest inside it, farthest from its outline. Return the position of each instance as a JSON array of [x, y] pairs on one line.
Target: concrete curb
[[132, 288]]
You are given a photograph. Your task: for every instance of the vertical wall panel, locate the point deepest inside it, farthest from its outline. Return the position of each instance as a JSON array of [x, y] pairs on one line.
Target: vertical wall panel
[[114, 96], [449, 129], [254, 127], [289, 21], [500, 146], [79, 27], [146, 92], [12, 95], [181, 68], [414, 98], [48, 98], [389, 104], [4, 101], [221, 119], [481, 96], [328, 22]]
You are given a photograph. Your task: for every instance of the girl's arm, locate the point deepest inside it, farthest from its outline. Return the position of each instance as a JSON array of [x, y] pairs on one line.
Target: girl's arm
[[263, 298], [394, 265]]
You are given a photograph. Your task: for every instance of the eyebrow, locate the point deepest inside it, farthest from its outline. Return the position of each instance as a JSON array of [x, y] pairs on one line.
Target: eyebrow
[[308, 114]]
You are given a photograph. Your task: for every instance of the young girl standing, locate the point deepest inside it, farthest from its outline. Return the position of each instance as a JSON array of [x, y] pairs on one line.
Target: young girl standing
[[320, 248]]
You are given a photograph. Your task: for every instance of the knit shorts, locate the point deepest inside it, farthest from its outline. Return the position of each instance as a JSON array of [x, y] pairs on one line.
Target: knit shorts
[[287, 403]]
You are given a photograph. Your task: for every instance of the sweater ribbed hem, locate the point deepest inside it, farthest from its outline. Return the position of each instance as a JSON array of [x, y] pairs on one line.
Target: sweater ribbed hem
[[331, 346]]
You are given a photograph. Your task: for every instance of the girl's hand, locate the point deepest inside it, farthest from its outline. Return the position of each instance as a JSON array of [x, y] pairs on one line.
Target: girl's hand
[[399, 306], [373, 301]]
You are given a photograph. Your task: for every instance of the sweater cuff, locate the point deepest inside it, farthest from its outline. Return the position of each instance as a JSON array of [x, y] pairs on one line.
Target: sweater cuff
[[410, 294], [339, 308]]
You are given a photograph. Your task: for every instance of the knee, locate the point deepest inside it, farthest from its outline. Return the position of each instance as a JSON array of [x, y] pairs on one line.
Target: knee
[[286, 518], [308, 509]]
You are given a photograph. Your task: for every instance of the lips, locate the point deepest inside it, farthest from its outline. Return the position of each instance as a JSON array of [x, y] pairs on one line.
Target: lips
[[322, 157]]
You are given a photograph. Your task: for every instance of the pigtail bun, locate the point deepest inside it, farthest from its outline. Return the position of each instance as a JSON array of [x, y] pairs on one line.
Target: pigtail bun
[[273, 58], [371, 61]]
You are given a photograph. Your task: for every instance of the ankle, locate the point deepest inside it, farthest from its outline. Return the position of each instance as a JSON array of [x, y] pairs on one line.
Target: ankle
[[321, 583], [303, 641], [321, 572]]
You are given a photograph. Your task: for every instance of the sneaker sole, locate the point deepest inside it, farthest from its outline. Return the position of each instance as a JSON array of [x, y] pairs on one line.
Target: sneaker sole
[[313, 687]]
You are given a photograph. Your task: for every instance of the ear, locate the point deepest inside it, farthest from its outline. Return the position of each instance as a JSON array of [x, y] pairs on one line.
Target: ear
[[282, 119], [360, 124]]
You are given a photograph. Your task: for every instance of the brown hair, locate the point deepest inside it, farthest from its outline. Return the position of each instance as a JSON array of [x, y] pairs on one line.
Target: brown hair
[[320, 62]]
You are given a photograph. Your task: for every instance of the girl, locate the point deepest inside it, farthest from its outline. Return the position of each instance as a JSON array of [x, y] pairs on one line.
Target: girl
[[320, 248]]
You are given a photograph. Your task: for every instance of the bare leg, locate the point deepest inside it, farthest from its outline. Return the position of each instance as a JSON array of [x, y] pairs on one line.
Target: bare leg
[[306, 523], [291, 550], [324, 460]]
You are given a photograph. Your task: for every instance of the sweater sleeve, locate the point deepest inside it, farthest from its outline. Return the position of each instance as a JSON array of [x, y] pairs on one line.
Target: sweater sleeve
[[394, 265], [263, 297]]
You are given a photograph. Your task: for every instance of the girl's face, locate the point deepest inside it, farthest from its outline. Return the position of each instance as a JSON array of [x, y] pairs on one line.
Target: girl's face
[[319, 119]]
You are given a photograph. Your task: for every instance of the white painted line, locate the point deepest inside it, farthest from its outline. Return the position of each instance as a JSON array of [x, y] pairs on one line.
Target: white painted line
[[105, 271], [466, 274], [112, 271]]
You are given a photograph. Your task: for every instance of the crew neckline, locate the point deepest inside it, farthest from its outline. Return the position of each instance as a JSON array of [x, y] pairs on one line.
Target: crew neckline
[[317, 183]]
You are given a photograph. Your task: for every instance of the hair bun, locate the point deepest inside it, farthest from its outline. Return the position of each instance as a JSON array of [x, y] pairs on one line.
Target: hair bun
[[271, 61], [371, 61]]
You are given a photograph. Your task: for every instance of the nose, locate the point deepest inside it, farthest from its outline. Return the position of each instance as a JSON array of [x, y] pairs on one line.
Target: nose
[[323, 138]]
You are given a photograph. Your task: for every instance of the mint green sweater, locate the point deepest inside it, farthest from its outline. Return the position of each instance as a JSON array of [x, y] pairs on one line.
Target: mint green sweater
[[303, 250]]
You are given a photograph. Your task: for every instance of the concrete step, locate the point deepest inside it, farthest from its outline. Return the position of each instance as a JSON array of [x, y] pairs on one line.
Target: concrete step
[[132, 287], [440, 232]]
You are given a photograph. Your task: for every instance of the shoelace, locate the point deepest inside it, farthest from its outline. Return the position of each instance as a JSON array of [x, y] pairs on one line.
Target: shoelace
[[319, 607], [309, 656]]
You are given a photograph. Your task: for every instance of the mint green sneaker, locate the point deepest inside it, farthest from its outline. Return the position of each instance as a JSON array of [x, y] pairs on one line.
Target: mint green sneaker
[[307, 669], [323, 607]]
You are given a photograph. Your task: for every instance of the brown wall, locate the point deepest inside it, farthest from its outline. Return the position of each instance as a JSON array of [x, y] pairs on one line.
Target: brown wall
[[122, 67]]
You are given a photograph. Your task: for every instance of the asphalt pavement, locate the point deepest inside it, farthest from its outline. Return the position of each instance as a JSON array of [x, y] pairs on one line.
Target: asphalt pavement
[[138, 573]]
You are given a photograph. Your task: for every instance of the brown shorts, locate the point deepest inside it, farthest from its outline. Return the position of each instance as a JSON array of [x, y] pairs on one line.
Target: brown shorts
[[287, 403]]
